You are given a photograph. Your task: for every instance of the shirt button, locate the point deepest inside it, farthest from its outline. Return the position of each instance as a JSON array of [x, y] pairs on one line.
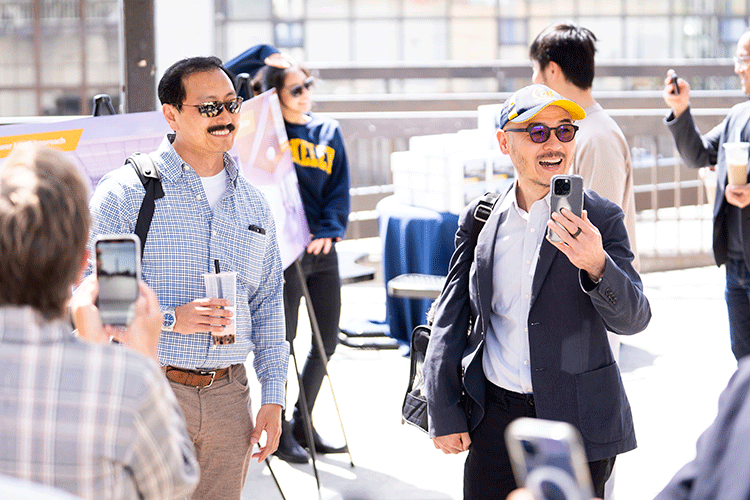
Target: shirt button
[[527, 295], [213, 233], [185, 168], [531, 230], [199, 197], [528, 262], [526, 362]]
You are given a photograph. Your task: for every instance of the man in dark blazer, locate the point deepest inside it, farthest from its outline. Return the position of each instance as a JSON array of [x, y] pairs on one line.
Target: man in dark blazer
[[536, 312], [731, 215]]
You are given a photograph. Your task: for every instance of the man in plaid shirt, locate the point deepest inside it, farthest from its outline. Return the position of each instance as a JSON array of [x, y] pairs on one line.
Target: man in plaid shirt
[[97, 420], [209, 213]]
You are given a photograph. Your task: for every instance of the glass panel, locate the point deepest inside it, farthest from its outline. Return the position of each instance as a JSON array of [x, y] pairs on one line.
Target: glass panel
[[635, 7], [334, 46], [242, 9], [473, 39], [19, 103], [416, 8], [648, 38], [608, 32], [513, 32], [327, 9], [730, 30], [512, 8], [694, 37], [240, 36], [376, 41], [376, 8], [559, 8], [425, 40], [288, 35], [288, 9], [102, 54], [604, 7], [474, 7]]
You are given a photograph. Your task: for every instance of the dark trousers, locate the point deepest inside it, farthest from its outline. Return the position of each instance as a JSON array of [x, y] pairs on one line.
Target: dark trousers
[[324, 284], [487, 472], [737, 295]]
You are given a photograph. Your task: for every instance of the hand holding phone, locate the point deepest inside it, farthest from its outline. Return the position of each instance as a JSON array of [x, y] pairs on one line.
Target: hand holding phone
[[548, 458], [567, 192], [118, 271]]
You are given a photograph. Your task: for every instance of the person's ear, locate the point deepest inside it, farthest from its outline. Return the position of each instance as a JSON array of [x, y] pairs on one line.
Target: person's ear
[[502, 140], [553, 73], [170, 113]]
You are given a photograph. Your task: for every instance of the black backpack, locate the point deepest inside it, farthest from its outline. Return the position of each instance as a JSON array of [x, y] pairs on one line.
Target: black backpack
[[149, 175], [414, 408]]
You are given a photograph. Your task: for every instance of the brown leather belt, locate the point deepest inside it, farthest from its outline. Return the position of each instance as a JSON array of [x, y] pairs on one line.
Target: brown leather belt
[[194, 378]]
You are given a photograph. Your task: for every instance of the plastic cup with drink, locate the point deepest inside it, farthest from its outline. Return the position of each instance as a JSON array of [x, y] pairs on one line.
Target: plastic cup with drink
[[736, 157], [223, 285]]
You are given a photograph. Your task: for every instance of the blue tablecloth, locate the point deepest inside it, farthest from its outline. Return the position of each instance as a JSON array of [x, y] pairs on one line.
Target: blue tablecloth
[[415, 240]]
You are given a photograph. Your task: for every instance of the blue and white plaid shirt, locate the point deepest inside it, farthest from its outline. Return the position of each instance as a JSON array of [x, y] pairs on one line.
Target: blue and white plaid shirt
[[184, 240], [97, 420]]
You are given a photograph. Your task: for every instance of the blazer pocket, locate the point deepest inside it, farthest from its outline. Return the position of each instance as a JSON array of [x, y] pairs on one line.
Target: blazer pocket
[[603, 408]]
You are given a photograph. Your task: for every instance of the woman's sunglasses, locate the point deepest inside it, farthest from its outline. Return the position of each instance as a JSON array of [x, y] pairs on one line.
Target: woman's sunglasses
[[541, 133], [214, 108], [296, 91]]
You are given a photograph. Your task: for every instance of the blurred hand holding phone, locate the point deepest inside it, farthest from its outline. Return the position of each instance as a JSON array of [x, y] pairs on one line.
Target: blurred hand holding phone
[[548, 459]]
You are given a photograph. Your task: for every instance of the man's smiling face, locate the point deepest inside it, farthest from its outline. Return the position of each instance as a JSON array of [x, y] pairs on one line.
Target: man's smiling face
[[536, 163]]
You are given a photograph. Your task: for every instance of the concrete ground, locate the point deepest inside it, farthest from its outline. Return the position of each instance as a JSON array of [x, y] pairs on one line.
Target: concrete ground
[[673, 372]]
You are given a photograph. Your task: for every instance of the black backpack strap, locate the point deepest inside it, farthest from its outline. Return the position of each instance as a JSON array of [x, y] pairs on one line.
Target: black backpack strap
[[482, 213], [147, 172]]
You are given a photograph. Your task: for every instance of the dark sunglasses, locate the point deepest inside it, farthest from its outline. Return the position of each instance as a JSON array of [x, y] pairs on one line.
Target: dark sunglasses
[[541, 133], [214, 108], [296, 91]]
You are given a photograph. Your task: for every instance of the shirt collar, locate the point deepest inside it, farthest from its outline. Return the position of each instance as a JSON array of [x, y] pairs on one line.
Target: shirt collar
[[171, 167], [511, 201]]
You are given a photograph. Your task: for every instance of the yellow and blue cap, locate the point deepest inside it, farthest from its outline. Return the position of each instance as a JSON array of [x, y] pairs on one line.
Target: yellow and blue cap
[[527, 102]]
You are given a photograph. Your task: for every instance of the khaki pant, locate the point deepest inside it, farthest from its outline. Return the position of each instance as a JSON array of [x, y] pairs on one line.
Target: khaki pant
[[220, 422]]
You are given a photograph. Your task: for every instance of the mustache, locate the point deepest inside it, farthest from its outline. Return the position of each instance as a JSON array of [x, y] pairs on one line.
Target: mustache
[[552, 156], [215, 128]]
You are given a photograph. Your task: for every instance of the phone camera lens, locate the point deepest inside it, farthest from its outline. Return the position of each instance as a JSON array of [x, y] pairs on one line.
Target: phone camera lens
[[528, 447], [562, 187]]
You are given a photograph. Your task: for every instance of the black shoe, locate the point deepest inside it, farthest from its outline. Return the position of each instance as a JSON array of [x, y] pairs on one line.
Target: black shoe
[[289, 449], [321, 445]]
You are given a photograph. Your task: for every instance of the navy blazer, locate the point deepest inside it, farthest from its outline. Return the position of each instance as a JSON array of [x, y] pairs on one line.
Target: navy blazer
[[573, 372]]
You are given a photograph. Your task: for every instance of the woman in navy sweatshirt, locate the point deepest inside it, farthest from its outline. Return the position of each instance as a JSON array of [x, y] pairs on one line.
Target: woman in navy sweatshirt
[[323, 172]]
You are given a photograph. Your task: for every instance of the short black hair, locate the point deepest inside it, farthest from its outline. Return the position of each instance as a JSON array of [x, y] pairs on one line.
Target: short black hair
[[571, 47], [172, 84]]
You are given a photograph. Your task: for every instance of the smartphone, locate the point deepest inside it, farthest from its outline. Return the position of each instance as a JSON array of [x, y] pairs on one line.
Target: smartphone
[[674, 83], [118, 271], [548, 458], [567, 192]]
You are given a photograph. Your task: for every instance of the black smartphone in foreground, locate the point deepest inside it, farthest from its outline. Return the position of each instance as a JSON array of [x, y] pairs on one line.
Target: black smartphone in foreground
[[118, 271], [548, 458], [674, 83]]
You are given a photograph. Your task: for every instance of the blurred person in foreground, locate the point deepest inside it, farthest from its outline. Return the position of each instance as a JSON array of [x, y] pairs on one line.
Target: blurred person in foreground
[[719, 469], [536, 312], [210, 216], [94, 419], [731, 215]]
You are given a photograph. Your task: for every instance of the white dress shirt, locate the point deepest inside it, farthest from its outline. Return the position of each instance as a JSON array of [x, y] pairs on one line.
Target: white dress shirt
[[520, 235]]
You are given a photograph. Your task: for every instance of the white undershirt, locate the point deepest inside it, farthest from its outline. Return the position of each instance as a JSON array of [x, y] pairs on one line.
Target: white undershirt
[[214, 187], [506, 361]]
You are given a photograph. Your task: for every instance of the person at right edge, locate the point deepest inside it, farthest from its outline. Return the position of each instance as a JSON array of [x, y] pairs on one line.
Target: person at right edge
[[731, 228], [537, 345], [323, 173]]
